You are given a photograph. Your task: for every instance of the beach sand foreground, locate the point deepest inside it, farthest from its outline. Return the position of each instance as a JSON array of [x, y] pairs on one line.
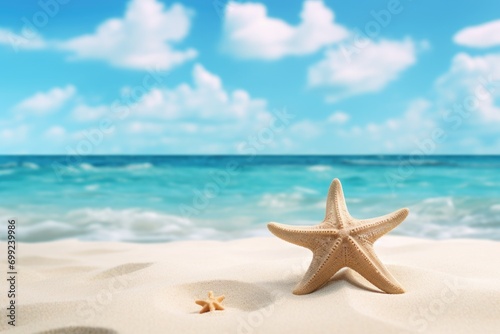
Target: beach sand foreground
[[103, 287]]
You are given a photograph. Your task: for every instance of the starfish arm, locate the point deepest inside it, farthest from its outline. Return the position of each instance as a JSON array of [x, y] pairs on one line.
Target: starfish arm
[[211, 307], [305, 236], [218, 307], [372, 229], [323, 266], [220, 299], [336, 214], [201, 302], [365, 262], [204, 309]]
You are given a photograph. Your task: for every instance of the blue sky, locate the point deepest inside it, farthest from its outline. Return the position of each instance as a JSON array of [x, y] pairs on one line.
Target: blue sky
[[311, 77]]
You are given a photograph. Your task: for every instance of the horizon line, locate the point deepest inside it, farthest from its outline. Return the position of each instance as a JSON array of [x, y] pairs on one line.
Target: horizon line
[[247, 155]]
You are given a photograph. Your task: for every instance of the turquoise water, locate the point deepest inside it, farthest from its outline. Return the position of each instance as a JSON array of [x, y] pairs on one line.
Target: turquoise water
[[166, 198]]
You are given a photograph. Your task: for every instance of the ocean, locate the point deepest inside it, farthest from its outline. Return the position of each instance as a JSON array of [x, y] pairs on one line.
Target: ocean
[[169, 198]]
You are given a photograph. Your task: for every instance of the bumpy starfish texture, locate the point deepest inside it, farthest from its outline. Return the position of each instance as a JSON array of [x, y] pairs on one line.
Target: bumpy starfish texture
[[342, 241], [211, 304]]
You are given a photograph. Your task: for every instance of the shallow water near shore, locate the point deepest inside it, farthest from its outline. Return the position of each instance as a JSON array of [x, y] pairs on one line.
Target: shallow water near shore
[[167, 198]]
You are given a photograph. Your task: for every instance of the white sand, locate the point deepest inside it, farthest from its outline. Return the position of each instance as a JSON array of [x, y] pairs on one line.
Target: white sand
[[95, 287]]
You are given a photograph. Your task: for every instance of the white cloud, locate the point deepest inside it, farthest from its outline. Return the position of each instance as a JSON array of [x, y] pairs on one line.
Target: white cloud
[[144, 38], [392, 135], [205, 99], [198, 116], [369, 69], [46, 102], [137, 127], [250, 33], [15, 134], [21, 42], [55, 132], [306, 129], [416, 117], [84, 113], [474, 83], [481, 36], [167, 118], [338, 117]]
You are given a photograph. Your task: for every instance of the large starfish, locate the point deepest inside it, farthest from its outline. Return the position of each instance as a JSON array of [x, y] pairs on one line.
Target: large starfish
[[342, 241]]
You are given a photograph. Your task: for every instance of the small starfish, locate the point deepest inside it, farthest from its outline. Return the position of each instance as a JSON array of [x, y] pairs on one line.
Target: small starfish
[[212, 304], [342, 241]]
